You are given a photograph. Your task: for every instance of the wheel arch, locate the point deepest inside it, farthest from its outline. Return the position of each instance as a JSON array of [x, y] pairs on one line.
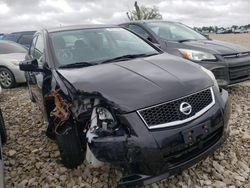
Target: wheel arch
[[3, 66]]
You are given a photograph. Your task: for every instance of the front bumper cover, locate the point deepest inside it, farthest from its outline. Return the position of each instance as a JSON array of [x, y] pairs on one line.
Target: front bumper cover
[[152, 155], [229, 71]]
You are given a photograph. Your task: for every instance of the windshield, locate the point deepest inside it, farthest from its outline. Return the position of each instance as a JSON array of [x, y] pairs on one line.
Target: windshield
[[174, 31], [11, 47], [92, 46]]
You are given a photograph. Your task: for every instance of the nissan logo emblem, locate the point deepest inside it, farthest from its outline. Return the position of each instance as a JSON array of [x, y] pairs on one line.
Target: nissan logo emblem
[[185, 108]]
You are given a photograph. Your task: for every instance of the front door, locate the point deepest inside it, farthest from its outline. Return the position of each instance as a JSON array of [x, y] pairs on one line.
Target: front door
[[36, 78]]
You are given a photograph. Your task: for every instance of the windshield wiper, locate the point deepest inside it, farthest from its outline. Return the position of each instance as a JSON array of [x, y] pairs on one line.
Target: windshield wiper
[[186, 40], [128, 56], [78, 64]]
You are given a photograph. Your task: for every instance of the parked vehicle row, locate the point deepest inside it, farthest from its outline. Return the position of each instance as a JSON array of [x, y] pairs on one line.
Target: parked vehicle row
[[111, 96], [228, 62], [235, 31]]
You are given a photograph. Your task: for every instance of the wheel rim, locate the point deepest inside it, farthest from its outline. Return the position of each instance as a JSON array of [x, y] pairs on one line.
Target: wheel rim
[[5, 78]]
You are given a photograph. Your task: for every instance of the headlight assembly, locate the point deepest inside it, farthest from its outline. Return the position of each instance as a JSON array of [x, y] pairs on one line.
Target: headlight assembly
[[197, 55], [211, 75]]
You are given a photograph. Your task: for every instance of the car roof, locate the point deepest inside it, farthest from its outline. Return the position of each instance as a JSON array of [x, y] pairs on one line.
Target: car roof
[[146, 21], [23, 32], [76, 27]]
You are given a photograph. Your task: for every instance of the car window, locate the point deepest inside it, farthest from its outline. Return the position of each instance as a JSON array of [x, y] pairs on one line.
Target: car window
[[138, 30], [38, 51], [11, 37], [11, 47], [69, 40], [96, 45], [174, 31], [32, 46], [25, 40]]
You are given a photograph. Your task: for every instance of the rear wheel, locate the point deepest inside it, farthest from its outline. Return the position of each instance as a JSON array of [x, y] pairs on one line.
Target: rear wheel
[[70, 147], [2, 129], [7, 79]]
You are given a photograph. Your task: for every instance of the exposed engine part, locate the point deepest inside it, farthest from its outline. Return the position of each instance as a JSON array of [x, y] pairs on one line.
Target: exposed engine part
[[90, 135], [102, 124], [61, 112], [93, 124], [82, 106]]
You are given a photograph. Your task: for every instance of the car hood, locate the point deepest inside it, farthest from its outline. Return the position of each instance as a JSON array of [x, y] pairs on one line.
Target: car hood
[[141, 82], [11, 56], [215, 47]]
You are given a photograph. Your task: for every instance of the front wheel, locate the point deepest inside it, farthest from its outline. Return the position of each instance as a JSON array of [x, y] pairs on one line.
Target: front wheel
[[7, 79], [70, 147]]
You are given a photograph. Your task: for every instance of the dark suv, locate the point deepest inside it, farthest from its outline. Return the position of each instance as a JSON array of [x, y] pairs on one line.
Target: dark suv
[[24, 38], [229, 62], [110, 96]]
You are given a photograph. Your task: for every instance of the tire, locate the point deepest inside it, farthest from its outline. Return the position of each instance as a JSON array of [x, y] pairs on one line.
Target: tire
[[3, 132], [71, 151], [7, 79]]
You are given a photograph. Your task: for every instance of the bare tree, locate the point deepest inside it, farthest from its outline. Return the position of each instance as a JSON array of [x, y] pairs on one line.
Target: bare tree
[[144, 13]]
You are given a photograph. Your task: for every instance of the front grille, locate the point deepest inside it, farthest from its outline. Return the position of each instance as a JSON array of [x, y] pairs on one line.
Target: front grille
[[239, 72], [169, 114], [236, 55]]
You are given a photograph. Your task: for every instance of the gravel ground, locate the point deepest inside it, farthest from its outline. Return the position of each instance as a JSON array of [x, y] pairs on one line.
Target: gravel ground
[[32, 160]]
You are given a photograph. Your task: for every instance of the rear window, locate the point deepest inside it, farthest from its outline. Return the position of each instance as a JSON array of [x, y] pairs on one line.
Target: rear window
[[7, 48]]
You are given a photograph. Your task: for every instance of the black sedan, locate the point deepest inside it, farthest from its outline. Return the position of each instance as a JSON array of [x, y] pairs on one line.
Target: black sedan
[[229, 62], [110, 96]]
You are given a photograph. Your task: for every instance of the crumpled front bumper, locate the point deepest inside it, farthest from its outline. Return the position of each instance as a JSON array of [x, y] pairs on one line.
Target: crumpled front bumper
[[141, 179], [152, 155]]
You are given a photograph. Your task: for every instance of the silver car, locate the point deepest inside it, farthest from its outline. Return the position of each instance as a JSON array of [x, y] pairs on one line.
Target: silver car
[[11, 54]]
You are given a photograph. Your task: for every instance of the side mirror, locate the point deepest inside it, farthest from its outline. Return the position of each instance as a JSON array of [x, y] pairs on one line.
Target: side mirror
[[30, 65], [149, 39], [205, 35]]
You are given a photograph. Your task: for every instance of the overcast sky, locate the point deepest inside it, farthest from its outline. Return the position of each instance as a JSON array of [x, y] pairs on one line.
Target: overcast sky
[[17, 15]]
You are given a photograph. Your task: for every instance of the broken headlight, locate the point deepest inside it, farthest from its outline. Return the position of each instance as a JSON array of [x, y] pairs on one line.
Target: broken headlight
[[105, 119]]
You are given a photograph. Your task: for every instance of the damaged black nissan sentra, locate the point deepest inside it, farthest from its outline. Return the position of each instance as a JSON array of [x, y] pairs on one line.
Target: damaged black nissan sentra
[[111, 96]]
